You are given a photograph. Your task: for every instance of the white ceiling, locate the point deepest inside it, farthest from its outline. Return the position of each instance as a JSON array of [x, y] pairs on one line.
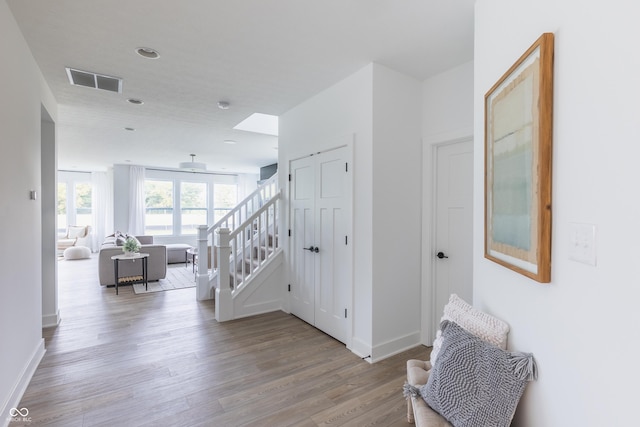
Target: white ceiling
[[262, 56]]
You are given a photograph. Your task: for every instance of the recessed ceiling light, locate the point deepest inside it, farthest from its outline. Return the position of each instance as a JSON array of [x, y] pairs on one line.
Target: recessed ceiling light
[[223, 105], [229, 141], [147, 52], [135, 101], [130, 129]]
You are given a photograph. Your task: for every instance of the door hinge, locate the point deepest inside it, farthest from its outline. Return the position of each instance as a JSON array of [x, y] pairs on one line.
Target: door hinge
[[289, 177], [346, 242], [345, 313], [289, 232], [289, 287], [346, 167]]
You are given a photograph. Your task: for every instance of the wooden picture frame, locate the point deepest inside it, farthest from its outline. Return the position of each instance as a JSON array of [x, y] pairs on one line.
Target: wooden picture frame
[[518, 141]]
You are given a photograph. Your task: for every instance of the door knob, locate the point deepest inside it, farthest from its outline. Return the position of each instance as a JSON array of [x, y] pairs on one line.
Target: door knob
[[441, 255], [316, 249], [310, 249]]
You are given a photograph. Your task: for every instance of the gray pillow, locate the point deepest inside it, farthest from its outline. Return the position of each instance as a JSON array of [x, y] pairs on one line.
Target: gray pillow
[[474, 383]]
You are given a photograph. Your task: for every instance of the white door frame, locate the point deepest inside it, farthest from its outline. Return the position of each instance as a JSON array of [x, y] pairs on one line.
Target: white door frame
[[429, 316]]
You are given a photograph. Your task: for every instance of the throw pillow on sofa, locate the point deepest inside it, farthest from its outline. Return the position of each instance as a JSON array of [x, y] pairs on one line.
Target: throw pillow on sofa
[[484, 326], [474, 383]]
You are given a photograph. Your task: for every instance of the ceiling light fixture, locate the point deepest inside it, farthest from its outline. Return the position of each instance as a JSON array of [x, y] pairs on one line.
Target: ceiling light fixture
[[193, 166], [130, 129], [135, 101], [223, 105], [229, 141], [147, 52]]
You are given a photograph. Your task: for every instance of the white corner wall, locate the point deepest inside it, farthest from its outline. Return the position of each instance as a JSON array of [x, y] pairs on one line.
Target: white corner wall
[[583, 326], [447, 116], [397, 207], [340, 113], [378, 109], [24, 92]]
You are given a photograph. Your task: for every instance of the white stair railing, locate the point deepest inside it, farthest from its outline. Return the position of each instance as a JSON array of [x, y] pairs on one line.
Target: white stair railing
[[248, 206], [247, 237], [249, 248]]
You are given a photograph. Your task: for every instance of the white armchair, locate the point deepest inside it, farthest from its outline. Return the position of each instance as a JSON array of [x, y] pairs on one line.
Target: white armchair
[[77, 235]]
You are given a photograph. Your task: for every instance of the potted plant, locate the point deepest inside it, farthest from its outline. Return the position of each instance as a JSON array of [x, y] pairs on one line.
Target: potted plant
[[130, 246]]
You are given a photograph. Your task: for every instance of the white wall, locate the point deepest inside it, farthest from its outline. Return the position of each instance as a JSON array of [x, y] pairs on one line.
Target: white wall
[[23, 93], [447, 116], [378, 110], [48, 201], [583, 326], [397, 184]]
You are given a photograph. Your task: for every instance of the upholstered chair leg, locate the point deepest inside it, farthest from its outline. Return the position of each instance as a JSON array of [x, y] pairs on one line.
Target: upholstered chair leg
[[410, 419]]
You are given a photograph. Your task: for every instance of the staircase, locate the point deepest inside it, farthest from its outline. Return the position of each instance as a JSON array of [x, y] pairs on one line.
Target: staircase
[[248, 281]]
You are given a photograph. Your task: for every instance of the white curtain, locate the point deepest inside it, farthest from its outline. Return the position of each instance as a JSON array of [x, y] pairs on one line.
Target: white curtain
[[102, 207], [136, 200]]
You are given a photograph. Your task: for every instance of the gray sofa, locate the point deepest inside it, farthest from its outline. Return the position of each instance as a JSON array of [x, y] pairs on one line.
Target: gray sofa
[[156, 264]]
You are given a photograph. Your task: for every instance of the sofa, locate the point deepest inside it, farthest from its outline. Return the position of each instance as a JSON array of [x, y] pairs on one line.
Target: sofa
[[156, 263]]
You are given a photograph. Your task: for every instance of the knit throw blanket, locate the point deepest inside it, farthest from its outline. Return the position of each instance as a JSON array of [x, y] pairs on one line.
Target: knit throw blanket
[[474, 383]]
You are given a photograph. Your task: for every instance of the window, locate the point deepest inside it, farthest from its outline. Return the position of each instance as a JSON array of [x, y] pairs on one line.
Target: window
[[62, 207], [83, 203], [158, 218], [225, 198], [74, 200], [177, 202], [193, 206]]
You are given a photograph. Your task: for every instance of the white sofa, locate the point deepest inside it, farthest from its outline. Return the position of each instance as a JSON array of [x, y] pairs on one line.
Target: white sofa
[[156, 263]]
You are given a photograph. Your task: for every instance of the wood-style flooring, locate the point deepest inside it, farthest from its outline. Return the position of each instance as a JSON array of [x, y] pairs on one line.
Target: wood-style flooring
[[161, 359]]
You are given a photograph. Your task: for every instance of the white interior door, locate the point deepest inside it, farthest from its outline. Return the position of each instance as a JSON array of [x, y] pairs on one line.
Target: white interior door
[[320, 249], [454, 225], [302, 219]]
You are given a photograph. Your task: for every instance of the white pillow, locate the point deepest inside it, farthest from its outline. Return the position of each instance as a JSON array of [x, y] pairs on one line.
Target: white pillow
[[76, 231], [482, 325]]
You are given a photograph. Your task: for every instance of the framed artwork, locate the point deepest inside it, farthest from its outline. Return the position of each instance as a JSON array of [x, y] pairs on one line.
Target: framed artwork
[[518, 134]]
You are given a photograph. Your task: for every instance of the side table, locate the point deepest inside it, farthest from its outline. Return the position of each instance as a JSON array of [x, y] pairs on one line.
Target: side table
[[117, 258], [193, 252]]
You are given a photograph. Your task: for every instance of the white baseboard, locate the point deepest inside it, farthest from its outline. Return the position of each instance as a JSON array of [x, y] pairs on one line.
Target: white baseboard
[[51, 320], [395, 346], [361, 349], [22, 383]]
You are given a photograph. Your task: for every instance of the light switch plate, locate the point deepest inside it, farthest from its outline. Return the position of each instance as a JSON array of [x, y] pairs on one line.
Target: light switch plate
[[582, 243]]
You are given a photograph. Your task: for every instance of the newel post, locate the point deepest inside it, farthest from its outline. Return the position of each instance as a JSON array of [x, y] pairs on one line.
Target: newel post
[[203, 288], [224, 299]]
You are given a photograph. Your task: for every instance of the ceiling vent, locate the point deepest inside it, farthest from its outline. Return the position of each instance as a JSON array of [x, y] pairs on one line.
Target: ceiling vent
[[96, 81]]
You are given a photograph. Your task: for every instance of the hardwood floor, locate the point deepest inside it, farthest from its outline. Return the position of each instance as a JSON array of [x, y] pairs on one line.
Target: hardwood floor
[[161, 359]]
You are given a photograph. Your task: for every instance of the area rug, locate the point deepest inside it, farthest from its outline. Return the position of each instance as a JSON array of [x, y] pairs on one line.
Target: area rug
[[178, 277]]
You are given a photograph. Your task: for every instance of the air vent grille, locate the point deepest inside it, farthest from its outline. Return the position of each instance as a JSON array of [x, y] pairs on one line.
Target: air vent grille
[[93, 80]]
